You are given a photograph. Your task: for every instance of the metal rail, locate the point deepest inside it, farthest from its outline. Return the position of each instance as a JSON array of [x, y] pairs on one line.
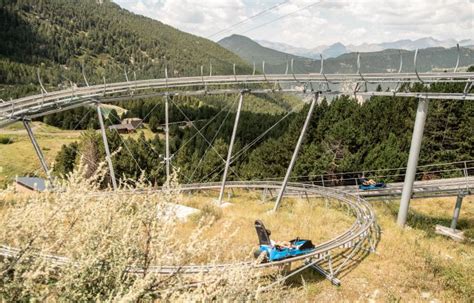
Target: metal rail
[[41, 104], [362, 232], [421, 189], [383, 173], [460, 181]]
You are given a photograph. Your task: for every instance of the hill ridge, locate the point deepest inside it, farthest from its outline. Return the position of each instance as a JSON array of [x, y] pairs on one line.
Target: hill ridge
[[60, 36], [388, 60]]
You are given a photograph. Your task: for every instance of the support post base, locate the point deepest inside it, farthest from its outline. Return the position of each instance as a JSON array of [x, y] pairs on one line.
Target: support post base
[[454, 234], [224, 204]]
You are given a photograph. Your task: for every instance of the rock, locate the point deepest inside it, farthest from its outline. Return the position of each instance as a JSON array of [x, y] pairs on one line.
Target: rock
[[425, 295], [178, 211]]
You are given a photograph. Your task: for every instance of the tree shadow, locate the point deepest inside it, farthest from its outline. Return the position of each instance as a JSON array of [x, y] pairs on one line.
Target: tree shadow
[[427, 223]]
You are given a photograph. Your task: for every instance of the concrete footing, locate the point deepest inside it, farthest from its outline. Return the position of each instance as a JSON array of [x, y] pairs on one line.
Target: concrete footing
[[454, 234], [222, 204]]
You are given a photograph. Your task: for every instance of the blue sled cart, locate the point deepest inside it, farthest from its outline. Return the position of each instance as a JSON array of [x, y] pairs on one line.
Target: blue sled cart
[[367, 184], [274, 251]]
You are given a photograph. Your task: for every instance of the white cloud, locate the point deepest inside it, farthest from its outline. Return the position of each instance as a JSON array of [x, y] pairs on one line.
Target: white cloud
[[329, 21]]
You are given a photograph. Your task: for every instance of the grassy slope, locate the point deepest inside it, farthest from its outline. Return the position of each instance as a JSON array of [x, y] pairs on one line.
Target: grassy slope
[[19, 158], [413, 264], [410, 265], [295, 219]]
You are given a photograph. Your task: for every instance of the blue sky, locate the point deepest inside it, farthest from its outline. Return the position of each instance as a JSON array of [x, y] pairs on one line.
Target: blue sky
[[326, 22]]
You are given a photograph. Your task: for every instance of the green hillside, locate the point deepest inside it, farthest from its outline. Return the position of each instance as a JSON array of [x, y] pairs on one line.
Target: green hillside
[[251, 51], [436, 58], [62, 35]]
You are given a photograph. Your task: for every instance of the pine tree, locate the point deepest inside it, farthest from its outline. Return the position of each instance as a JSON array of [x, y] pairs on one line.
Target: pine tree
[[65, 159]]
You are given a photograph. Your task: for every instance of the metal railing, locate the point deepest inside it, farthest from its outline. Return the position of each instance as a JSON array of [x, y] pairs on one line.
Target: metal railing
[[56, 101], [460, 169]]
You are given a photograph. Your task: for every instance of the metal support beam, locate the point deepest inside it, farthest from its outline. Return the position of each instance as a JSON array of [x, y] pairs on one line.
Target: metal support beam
[[466, 176], [457, 211], [335, 281], [296, 151], [108, 158], [167, 139], [415, 147], [231, 145], [307, 264], [39, 153], [264, 194]]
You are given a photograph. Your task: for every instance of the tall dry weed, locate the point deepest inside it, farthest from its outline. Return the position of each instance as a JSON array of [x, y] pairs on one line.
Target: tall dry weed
[[111, 242]]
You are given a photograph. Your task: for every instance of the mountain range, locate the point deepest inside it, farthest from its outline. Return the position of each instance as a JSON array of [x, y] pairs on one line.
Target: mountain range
[[63, 37], [387, 60], [337, 49], [252, 51]]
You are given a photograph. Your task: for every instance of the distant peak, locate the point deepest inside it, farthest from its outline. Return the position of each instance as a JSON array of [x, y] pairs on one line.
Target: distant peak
[[337, 44], [235, 37]]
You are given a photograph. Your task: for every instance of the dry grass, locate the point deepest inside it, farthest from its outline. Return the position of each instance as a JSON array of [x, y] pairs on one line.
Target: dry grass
[[297, 218], [105, 235], [108, 107], [413, 264]]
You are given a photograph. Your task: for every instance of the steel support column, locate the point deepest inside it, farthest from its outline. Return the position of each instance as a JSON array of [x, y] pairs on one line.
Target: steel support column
[[231, 145], [296, 151], [167, 139], [415, 147], [108, 158], [457, 211], [39, 153]]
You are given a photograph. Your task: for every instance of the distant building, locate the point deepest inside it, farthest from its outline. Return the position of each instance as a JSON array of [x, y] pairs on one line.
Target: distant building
[[136, 122], [123, 128], [30, 184], [128, 125]]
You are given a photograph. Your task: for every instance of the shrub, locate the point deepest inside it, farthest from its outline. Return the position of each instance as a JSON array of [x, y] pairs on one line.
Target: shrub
[[5, 139]]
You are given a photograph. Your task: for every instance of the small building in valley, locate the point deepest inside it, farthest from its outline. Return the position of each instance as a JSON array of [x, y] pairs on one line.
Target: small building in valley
[[30, 184], [128, 125], [123, 128], [136, 122]]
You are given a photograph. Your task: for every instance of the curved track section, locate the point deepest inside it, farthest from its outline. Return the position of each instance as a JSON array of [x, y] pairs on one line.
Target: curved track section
[[363, 234]]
